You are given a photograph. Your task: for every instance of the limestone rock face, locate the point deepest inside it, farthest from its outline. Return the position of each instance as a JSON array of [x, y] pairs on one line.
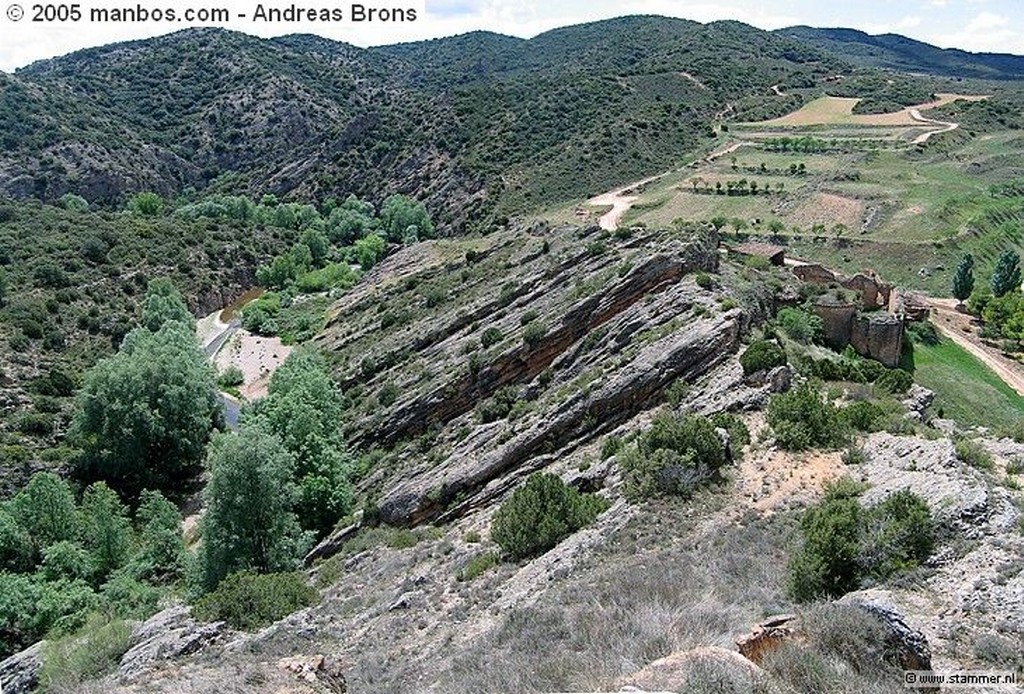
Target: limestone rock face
[[907, 644], [19, 674], [878, 336], [165, 636]]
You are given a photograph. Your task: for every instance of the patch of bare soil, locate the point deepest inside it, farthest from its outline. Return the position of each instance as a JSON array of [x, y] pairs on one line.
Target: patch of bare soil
[[257, 357], [829, 209]]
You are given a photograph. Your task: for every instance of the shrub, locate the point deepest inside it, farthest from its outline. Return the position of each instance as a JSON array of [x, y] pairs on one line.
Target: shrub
[[540, 514], [231, 377], [895, 381], [739, 434], [762, 356], [88, 655], [611, 446], [974, 454], [844, 543], [479, 564], [249, 601], [675, 456], [499, 406], [801, 326], [826, 563], [534, 332], [899, 534], [801, 419], [491, 337], [863, 416], [704, 280]]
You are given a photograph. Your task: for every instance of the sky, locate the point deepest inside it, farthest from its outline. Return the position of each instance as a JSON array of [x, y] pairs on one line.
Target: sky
[[974, 25]]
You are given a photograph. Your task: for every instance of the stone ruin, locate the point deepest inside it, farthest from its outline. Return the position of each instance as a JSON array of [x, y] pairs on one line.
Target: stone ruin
[[873, 324]]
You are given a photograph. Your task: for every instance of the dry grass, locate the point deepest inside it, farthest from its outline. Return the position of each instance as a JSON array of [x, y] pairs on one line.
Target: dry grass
[[834, 110], [828, 209], [637, 605]]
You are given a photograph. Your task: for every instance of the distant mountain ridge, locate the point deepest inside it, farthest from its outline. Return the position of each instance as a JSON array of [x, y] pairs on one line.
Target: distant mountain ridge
[[480, 126], [898, 52]]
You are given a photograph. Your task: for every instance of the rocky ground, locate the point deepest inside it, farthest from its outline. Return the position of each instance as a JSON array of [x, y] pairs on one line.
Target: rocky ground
[[652, 595]]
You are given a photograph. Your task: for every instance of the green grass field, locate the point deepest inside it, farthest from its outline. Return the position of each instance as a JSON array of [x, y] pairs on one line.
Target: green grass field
[[967, 390]]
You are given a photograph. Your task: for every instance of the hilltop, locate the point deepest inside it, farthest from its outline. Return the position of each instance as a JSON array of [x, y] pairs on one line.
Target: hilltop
[[480, 126]]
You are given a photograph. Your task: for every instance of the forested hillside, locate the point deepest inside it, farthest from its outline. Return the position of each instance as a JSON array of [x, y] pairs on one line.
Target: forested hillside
[[478, 126]]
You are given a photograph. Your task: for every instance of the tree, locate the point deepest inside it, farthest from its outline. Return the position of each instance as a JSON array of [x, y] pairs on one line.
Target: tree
[[1006, 278], [318, 244], [399, 213], [303, 409], [163, 304], [161, 546], [105, 529], [963, 278], [144, 415], [249, 522], [45, 508], [827, 563], [368, 250]]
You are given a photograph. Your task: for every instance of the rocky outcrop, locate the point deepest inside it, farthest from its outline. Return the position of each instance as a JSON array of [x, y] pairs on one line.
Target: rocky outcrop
[[877, 336], [907, 646], [766, 637], [167, 635], [681, 672], [19, 674], [683, 355], [323, 672]]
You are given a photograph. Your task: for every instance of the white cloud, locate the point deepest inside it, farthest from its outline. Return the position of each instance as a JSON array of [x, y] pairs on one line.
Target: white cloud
[[985, 32]]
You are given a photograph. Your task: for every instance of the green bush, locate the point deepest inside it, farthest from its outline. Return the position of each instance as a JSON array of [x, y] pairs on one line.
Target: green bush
[[540, 514], [974, 454], [762, 355], [249, 601], [534, 332], [863, 416], [491, 337], [899, 534], [87, 655], [499, 406], [675, 456], [802, 326], [802, 419], [895, 381], [231, 377], [843, 543], [478, 565]]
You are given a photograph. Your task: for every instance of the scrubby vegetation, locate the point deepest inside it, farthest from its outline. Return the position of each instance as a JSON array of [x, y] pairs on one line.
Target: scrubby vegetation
[[675, 456], [249, 601], [845, 544], [66, 560], [802, 419], [540, 514], [762, 355]]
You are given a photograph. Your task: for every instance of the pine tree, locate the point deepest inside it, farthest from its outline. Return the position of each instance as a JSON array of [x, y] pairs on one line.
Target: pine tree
[[1006, 277], [963, 279]]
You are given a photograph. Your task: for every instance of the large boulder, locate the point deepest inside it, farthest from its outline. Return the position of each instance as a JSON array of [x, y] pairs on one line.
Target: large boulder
[[680, 672], [19, 674], [165, 636]]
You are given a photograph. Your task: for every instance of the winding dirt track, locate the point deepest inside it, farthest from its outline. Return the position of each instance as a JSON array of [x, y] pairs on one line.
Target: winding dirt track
[[621, 201], [953, 324], [924, 137]]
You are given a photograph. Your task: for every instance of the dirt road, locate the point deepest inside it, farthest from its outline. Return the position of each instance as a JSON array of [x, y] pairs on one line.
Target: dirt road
[[621, 201], [957, 327], [924, 137]]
